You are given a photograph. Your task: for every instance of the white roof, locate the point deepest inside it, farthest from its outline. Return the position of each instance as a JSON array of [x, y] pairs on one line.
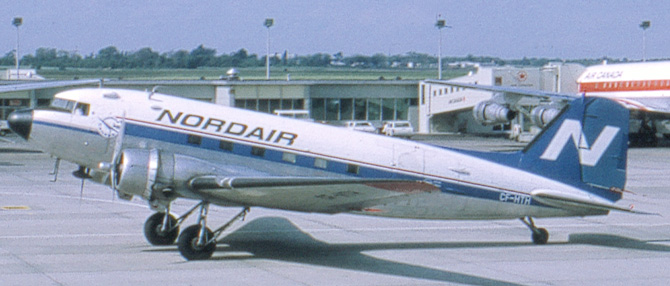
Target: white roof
[[626, 72]]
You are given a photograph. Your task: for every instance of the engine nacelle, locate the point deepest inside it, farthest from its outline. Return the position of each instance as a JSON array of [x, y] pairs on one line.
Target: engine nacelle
[[489, 112], [542, 115], [143, 172]]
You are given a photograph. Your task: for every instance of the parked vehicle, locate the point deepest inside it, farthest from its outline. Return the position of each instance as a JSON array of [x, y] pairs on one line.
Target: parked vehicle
[[397, 128], [364, 126], [4, 128]]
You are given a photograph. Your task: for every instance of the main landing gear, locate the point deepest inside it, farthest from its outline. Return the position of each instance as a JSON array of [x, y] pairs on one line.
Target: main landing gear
[[539, 235], [196, 242], [162, 228]]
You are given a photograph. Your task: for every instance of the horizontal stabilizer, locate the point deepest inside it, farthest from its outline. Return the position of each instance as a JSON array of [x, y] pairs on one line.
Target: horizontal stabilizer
[[575, 201]]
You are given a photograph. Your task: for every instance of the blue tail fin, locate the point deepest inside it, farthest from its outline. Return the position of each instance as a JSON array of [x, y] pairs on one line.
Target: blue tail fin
[[585, 146]]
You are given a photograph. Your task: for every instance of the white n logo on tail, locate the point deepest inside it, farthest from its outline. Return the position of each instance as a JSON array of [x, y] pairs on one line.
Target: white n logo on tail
[[573, 129]]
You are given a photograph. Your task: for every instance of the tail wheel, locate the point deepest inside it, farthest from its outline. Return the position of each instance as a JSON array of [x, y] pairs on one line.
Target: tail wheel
[[153, 229], [189, 246], [541, 236]]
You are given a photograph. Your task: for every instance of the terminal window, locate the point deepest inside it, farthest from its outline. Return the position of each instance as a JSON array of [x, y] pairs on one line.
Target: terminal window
[[9, 105], [374, 109], [270, 105]]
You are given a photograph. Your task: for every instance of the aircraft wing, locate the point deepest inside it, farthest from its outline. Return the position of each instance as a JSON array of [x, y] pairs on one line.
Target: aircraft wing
[[47, 84], [660, 105], [325, 195], [511, 93], [576, 202]]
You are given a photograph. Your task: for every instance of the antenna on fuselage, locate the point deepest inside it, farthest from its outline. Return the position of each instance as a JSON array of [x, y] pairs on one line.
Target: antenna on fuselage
[[153, 90]]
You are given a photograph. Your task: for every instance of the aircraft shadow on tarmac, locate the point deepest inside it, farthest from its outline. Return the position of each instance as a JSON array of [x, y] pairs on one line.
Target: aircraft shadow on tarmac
[[615, 241], [276, 238]]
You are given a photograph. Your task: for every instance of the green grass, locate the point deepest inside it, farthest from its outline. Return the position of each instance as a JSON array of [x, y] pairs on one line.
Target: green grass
[[256, 73]]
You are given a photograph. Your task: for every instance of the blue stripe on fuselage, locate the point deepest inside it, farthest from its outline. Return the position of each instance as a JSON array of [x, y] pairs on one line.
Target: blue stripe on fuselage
[[243, 148]]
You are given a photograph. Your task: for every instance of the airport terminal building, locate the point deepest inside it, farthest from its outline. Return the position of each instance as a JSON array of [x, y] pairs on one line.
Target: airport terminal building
[[327, 101], [430, 105]]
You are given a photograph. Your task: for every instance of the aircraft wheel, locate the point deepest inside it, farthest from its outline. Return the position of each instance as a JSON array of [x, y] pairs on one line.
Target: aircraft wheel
[[541, 236], [188, 244], [153, 233]]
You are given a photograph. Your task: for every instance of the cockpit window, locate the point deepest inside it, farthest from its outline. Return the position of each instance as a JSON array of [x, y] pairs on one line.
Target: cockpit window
[[70, 106], [64, 105], [81, 109]]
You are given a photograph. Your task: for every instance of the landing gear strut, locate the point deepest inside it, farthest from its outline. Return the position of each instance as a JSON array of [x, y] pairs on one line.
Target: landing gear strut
[[198, 242], [539, 235]]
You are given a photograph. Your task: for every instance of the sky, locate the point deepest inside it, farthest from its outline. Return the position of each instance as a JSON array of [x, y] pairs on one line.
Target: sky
[[506, 29]]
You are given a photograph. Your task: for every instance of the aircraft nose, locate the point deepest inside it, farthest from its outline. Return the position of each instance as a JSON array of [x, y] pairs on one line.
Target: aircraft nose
[[21, 121]]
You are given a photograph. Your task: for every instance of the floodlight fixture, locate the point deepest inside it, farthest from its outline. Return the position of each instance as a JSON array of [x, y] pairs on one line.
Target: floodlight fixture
[[644, 25], [269, 22], [440, 24], [18, 21]]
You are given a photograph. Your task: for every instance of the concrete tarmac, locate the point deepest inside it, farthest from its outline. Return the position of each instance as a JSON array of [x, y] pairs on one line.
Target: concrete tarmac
[[53, 234]]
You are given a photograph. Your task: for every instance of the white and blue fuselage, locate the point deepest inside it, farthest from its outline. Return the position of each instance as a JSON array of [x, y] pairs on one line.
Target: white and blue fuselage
[[241, 143]]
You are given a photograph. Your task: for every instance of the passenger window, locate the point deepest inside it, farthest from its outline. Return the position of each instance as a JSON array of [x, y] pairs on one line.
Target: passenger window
[[258, 151], [353, 169], [194, 139], [320, 163], [289, 157], [226, 145], [82, 109]]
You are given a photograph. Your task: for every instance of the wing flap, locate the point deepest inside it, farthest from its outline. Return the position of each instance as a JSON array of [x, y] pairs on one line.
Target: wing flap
[[326, 195]]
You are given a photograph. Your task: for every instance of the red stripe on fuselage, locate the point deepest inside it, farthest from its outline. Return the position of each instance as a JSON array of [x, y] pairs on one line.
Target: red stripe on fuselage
[[628, 85]]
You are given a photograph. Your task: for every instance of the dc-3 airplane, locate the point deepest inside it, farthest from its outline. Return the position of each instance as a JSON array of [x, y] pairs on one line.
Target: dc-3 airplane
[[161, 148], [643, 88]]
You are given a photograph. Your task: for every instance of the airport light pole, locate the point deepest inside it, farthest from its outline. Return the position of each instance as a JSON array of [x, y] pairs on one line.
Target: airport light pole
[[441, 23], [17, 22], [268, 23], [645, 25]]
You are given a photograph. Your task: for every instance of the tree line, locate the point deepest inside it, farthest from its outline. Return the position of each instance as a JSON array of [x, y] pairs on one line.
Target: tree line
[[146, 58]]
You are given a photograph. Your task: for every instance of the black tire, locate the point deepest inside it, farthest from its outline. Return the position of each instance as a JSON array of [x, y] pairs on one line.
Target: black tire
[[541, 236], [187, 244], [153, 233]]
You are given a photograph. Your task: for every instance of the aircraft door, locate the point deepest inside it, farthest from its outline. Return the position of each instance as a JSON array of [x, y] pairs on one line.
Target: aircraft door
[[105, 126]]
